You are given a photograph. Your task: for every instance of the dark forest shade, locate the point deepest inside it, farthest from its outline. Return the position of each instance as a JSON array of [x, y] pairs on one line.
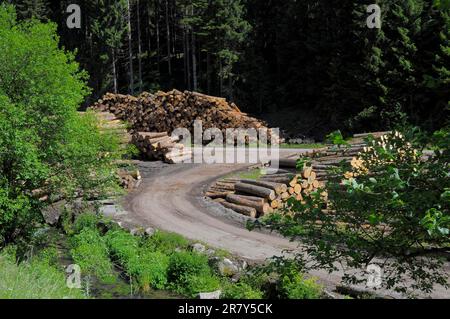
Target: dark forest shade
[[308, 56]]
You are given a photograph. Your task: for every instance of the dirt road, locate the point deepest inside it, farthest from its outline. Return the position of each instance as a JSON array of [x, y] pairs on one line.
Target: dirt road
[[170, 198]]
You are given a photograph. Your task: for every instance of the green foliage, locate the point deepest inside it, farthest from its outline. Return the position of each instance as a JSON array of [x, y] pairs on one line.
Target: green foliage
[[123, 246], [45, 145], [35, 279], [86, 221], [241, 290], [392, 206], [295, 286], [185, 264], [195, 284], [148, 268], [90, 252], [166, 242], [336, 138]]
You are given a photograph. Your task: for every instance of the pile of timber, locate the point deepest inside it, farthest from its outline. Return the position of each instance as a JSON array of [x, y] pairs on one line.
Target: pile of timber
[[108, 123], [129, 179], [160, 146], [273, 190], [167, 111], [324, 159], [256, 198]]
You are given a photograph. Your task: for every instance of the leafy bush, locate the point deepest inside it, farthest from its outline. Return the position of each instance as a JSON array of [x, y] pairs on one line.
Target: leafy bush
[[90, 252], [45, 145], [391, 203], [166, 242], [196, 284], [241, 290], [148, 268], [184, 265], [123, 245], [297, 287], [86, 221]]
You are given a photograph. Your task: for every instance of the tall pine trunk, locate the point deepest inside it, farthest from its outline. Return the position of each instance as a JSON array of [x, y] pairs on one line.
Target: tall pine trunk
[[138, 11], [113, 56], [158, 42], [194, 58], [149, 37], [169, 62], [130, 49]]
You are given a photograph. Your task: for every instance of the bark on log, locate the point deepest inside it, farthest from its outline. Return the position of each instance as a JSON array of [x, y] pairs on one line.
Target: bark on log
[[256, 190]]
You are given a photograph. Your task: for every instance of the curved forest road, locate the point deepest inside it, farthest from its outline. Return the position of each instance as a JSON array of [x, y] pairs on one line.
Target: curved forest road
[[170, 198]]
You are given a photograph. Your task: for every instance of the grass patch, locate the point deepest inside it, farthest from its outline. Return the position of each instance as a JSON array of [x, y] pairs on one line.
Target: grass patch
[[37, 279], [302, 146], [254, 174], [166, 242], [148, 268]]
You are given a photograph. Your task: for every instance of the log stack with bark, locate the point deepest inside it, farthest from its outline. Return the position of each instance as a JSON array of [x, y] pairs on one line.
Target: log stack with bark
[[160, 146], [256, 198], [274, 189], [165, 112], [108, 123]]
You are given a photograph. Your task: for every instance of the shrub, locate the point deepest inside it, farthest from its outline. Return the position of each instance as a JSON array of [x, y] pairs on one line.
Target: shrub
[[44, 143], [196, 284], [148, 268], [241, 290], [390, 204], [90, 252], [166, 242], [123, 245], [85, 221], [184, 265], [297, 287]]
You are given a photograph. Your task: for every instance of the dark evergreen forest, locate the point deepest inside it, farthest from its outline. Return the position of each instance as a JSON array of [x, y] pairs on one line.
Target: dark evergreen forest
[[314, 61]]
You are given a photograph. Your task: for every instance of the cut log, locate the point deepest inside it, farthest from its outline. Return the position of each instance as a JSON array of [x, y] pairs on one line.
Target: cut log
[[255, 190], [262, 208], [214, 195], [244, 210], [307, 172], [277, 187]]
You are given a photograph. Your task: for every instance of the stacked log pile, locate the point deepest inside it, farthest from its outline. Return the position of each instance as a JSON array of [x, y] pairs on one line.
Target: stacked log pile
[[165, 112], [256, 198], [160, 146], [288, 181], [110, 124]]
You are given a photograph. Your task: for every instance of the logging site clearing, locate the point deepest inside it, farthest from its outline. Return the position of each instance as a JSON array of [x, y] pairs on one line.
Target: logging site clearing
[[212, 203]]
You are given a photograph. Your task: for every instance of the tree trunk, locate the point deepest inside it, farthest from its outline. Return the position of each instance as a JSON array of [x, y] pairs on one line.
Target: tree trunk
[[149, 36], [138, 11], [169, 62], [194, 58], [261, 207], [244, 210], [113, 56], [255, 190], [158, 42], [208, 72], [130, 49]]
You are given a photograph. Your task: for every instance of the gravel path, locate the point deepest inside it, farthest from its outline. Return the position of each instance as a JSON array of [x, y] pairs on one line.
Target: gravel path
[[170, 198]]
